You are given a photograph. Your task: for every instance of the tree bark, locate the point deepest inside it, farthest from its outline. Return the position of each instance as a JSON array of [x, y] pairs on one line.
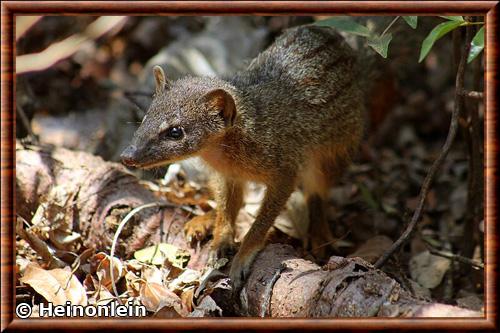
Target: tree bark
[[283, 285]]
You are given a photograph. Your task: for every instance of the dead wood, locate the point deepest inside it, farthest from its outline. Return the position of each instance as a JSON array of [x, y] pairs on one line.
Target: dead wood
[[283, 285]]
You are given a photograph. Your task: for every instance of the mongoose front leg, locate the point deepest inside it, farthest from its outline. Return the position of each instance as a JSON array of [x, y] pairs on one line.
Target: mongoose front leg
[[200, 227], [276, 197], [229, 201]]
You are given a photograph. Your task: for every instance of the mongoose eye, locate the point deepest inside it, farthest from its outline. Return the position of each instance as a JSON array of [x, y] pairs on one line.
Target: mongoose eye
[[175, 133]]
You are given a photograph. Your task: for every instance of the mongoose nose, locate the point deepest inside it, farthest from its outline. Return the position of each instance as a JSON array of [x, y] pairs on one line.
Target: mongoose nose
[[127, 155]]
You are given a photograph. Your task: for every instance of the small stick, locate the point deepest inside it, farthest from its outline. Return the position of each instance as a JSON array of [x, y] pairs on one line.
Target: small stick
[[119, 230], [459, 87], [473, 94], [26, 124], [464, 260]]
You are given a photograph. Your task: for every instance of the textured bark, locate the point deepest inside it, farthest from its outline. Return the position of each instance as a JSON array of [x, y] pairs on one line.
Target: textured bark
[[283, 285]]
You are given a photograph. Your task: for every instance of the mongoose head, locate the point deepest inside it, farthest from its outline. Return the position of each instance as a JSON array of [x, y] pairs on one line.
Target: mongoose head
[[185, 116]]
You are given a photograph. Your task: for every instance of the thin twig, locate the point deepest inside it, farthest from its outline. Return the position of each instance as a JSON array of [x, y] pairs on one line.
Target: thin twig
[[449, 255], [473, 94], [389, 26], [459, 87], [61, 50], [472, 134], [24, 23], [464, 260], [265, 308], [119, 230], [26, 123], [39, 246]]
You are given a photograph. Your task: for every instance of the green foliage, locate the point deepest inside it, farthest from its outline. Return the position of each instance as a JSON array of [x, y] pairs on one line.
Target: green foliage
[[477, 45], [380, 44], [411, 20], [439, 31], [345, 23], [453, 18]]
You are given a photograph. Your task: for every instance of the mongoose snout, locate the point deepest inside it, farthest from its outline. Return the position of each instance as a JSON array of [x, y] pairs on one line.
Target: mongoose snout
[[128, 156]]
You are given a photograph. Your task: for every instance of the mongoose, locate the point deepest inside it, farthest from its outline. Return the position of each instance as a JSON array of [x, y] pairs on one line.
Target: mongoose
[[293, 117]]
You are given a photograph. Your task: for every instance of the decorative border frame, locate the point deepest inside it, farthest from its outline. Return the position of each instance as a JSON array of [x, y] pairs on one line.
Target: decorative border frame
[[9, 9]]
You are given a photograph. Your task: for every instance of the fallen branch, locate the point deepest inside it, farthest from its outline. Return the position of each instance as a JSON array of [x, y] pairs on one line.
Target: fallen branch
[[67, 47], [472, 94], [452, 256], [26, 123], [24, 23], [459, 87], [283, 285]]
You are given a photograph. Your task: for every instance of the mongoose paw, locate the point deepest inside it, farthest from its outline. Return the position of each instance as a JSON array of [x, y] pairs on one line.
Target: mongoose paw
[[198, 228], [240, 269]]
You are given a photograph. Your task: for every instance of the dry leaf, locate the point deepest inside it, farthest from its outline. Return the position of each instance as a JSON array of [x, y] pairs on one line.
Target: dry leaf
[[103, 270], [63, 239], [104, 296], [372, 249], [187, 299], [40, 247], [189, 277], [155, 296], [157, 254], [133, 283], [428, 270], [206, 308], [152, 274], [57, 285]]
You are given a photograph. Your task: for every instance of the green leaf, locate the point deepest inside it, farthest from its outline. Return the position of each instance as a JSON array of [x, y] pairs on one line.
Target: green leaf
[[157, 254], [477, 45], [454, 18], [411, 20], [439, 31], [380, 44], [347, 24]]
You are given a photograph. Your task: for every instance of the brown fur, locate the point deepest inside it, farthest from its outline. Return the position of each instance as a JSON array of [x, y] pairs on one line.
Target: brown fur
[[294, 116]]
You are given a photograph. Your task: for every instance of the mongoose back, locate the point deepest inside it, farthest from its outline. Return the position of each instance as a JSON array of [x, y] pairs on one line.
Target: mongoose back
[[293, 117]]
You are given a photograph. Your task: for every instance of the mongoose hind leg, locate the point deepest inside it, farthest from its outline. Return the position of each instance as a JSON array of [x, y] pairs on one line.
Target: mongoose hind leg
[[320, 235], [324, 167], [229, 201]]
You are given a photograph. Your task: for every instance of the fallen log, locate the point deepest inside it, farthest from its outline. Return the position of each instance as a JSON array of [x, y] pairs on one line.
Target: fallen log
[[283, 285]]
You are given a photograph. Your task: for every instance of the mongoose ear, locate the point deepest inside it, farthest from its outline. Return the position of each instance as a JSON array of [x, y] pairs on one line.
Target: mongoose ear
[[222, 102], [160, 79]]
